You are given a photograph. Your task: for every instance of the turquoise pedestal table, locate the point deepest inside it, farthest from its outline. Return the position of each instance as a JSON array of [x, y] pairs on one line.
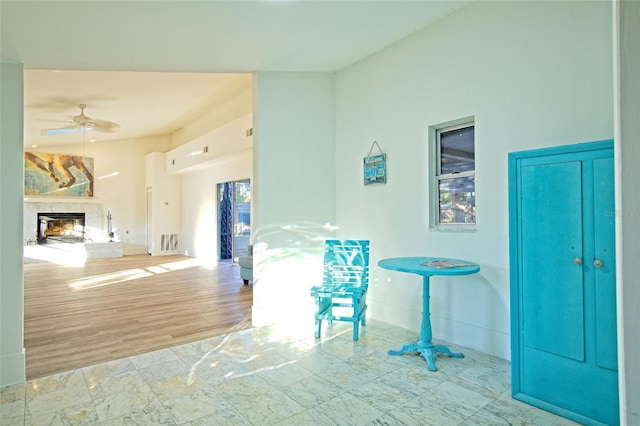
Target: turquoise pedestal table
[[427, 267]]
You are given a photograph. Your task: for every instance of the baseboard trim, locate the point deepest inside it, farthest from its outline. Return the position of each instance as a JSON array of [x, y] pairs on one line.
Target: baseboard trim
[[13, 369]]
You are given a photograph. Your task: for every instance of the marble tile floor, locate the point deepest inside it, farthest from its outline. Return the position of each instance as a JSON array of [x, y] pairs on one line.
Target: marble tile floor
[[268, 376]]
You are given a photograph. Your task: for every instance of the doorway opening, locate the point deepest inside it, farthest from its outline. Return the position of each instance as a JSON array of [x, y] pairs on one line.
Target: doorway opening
[[234, 219]]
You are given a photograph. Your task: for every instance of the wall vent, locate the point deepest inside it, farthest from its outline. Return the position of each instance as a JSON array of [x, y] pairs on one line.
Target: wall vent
[[169, 242]]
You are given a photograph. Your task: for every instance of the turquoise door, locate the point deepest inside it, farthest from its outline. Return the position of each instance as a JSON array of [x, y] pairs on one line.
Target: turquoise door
[[562, 222]]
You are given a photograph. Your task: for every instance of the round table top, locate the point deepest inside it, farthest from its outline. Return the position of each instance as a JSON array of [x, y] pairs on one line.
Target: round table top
[[428, 266]]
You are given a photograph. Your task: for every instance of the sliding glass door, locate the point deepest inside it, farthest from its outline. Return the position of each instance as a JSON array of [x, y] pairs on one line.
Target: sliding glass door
[[234, 218]]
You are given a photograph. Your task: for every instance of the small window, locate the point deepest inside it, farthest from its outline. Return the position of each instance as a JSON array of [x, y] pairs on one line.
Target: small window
[[453, 193]]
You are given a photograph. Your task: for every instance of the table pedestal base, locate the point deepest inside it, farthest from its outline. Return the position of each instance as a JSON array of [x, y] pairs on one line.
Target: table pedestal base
[[424, 266], [428, 351]]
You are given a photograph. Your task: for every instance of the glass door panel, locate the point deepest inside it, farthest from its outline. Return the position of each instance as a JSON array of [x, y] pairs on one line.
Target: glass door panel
[[234, 218], [241, 217]]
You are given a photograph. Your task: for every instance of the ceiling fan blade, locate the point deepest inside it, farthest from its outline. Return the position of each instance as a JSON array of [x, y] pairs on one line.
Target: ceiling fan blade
[[65, 130], [104, 126], [49, 120]]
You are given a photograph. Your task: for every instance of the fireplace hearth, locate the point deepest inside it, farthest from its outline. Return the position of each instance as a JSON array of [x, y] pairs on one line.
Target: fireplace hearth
[[60, 228]]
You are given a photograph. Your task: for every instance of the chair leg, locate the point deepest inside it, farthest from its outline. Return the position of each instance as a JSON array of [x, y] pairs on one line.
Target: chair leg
[[363, 314], [362, 322], [355, 318], [327, 308], [321, 306]]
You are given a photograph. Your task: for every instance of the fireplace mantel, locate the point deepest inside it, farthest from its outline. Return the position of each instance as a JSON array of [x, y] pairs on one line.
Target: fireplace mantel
[[74, 200]]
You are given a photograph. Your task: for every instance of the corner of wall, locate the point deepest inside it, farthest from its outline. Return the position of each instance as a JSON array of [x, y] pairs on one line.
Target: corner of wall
[[12, 352]]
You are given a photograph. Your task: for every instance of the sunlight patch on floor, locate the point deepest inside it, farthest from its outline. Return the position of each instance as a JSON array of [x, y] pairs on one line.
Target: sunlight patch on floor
[[75, 255], [181, 264], [108, 279], [60, 253], [131, 274]]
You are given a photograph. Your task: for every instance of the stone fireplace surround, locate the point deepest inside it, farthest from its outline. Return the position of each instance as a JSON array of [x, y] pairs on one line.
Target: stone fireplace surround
[[94, 222]]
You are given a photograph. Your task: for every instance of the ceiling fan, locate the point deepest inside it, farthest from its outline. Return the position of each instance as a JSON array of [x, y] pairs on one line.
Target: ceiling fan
[[82, 123]]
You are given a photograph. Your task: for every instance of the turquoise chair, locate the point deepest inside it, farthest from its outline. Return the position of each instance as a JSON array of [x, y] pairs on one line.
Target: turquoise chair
[[344, 284]]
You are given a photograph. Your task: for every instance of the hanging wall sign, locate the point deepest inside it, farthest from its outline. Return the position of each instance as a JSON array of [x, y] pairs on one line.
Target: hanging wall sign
[[375, 167]]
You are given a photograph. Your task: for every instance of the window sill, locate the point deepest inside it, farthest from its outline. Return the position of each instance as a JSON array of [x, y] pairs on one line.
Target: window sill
[[453, 228]]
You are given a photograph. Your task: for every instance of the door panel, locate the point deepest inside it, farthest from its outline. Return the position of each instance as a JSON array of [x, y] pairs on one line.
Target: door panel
[[225, 220], [234, 218], [241, 217], [552, 239], [605, 275]]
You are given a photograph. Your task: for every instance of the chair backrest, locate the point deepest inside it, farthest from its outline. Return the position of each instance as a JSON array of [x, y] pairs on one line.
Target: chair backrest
[[346, 262]]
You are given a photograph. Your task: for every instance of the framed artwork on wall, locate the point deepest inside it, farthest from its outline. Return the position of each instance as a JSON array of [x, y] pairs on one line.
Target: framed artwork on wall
[[58, 175]]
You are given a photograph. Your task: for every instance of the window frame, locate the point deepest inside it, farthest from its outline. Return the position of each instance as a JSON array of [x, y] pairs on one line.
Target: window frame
[[435, 177]]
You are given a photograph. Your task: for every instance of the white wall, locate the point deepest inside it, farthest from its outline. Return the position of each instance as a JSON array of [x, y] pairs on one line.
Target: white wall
[[293, 190], [12, 355], [124, 194], [533, 74], [200, 204], [627, 93], [293, 140], [165, 205]]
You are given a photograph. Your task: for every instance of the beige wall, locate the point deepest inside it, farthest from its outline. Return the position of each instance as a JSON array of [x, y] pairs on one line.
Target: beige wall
[[237, 106]]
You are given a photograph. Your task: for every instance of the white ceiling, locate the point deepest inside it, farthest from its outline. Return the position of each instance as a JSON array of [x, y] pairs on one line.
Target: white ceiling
[[151, 66]]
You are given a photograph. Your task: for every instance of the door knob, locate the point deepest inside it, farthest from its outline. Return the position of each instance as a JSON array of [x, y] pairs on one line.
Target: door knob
[[577, 261], [597, 263]]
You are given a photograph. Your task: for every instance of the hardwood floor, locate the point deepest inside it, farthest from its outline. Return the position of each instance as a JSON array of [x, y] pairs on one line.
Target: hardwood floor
[[107, 309]]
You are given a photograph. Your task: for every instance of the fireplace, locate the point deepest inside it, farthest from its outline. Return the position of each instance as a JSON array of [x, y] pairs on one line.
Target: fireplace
[[60, 228]]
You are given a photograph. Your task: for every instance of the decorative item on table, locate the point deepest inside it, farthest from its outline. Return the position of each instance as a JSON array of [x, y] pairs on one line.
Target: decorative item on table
[[445, 264]]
